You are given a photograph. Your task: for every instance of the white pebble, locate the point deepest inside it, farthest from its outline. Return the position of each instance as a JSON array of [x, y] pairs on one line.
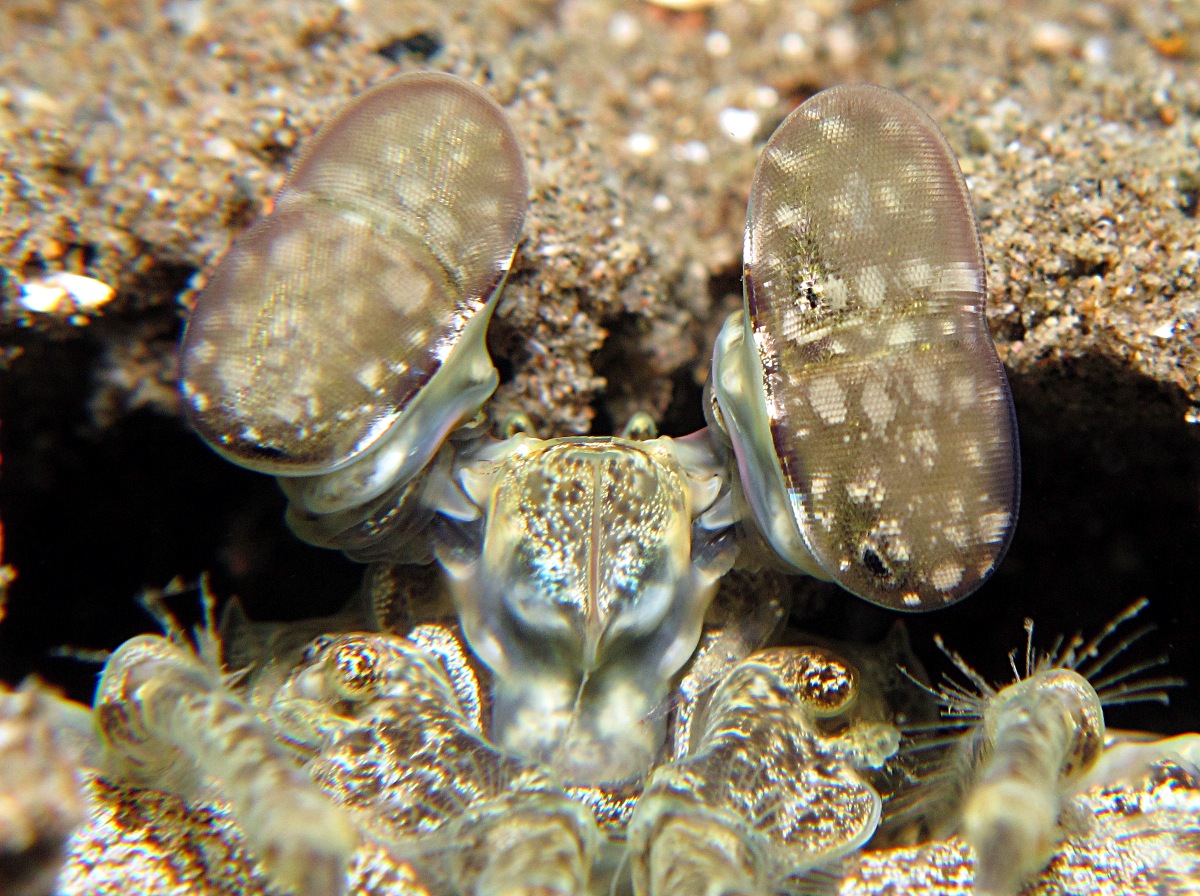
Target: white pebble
[[765, 97], [694, 151], [221, 148], [187, 17], [842, 44], [794, 46], [1050, 38], [641, 144], [717, 44], [661, 202], [65, 293], [624, 30], [1097, 51], [35, 100], [684, 5], [740, 124]]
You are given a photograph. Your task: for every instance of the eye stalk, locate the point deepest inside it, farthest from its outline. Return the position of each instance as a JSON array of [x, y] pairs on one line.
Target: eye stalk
[[342, 337], [868, 409]]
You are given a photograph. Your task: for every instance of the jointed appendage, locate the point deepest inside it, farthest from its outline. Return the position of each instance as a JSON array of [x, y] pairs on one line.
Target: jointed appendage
[[169, 720], [1026, 749], [762, 796], [397, 747]]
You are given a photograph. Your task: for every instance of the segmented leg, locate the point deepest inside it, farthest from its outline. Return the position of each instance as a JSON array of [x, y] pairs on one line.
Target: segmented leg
[[1040, 734], [763, 796], [534, 843], [169, 721], [404, 752], [1027, 748]]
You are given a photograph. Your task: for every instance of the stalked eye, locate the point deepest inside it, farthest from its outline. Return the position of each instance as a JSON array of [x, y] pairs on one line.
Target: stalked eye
[[870, 413], [366, 289]]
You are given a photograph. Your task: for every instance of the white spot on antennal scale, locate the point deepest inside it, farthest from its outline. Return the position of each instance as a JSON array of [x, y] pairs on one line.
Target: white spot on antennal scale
[[993, 526], [946, 575], [828, 399]]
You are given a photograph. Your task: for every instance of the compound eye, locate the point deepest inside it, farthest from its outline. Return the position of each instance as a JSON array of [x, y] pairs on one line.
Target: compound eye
[[354, 668], [888, 411], [826, 684], [322, 323]]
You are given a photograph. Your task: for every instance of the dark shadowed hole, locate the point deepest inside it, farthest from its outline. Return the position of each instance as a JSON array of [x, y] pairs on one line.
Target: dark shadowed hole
[[626, 363], [92, 518], [503, 344], [623, 363], [685, 413], [724, 284], [602, 421], [504, 367], [1188, 183], [163, 278]]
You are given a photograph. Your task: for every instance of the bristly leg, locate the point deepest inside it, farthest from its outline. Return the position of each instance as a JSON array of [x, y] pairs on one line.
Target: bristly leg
[[170, 720], [1015, 755]]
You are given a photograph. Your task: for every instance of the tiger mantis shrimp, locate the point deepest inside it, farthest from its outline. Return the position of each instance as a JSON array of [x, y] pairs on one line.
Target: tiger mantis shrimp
[[860, 430]]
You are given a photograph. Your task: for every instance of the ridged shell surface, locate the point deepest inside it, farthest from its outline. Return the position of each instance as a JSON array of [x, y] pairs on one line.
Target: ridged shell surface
[[394, 229], [586, 537], [889, 409]]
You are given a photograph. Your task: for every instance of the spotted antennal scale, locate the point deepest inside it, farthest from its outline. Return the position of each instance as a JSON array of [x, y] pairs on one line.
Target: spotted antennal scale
[[325, 320], [887, 406]]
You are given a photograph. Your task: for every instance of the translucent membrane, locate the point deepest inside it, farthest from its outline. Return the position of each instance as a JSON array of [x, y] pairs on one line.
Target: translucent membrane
[[888, 411], [323, 321]]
